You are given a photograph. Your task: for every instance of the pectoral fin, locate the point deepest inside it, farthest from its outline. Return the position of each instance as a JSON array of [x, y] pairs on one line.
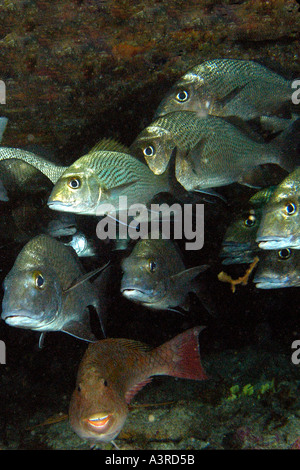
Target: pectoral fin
[[85, 278], [79, 330], [116, 191], [185, 277], [231, 95], [135, 389]]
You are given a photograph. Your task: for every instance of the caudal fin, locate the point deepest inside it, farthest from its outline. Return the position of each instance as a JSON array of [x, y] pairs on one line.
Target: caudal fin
[[181, 356]]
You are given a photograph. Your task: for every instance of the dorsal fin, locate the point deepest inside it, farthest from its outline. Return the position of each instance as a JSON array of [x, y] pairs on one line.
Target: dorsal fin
[[109, 145]]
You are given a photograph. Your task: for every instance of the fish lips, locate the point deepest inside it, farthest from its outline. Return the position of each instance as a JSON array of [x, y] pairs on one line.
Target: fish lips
[[264, 282], [59, 205], [229, 248], [19, 318], [135, 293], [276, 242], [99, 422]]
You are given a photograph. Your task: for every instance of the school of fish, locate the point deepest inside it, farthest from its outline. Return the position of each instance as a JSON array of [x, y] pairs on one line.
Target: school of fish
[[208, 132]]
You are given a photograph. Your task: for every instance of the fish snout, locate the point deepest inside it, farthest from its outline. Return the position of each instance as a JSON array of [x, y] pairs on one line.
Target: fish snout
[[273, 242], [19, 318], [135, 293]]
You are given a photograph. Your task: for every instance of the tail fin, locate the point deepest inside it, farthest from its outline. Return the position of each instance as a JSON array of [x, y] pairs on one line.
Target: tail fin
[[289, 142], [181, 356]]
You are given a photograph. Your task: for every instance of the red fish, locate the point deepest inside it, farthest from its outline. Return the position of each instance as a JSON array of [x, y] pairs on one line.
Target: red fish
[[113, 370]]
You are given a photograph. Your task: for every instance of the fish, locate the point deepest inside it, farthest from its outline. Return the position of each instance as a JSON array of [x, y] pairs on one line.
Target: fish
[[211, 152], [113, 370], [155, 276], [228, 87], [279, 226], [93, 184], [24, 171], [44, 291], [239, 243], [278, 269]]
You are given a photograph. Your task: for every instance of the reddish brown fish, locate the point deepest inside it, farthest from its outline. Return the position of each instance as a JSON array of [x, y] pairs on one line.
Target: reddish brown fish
[[112, 371]]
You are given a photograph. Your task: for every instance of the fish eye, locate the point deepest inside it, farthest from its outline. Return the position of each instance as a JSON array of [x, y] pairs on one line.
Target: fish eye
[[290, 208], [285, 253], [78, 388], [250, 221], [39, 280], [182, 96], [74, 182], [149, 151], [152, 266], [105, 383]]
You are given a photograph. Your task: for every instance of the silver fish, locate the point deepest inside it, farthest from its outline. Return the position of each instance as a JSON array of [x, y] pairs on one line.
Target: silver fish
[[44, 290], [279, 227], [99, 178], [228, 87], [210, 152], [239, 242], [155, 275], [278, 269]]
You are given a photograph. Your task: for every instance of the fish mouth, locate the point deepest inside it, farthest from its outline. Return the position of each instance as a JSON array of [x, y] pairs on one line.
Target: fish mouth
[[270, 283], [56, 205], [99, 421], [19, 318], [276, 242], [134, 293], [234, 248]]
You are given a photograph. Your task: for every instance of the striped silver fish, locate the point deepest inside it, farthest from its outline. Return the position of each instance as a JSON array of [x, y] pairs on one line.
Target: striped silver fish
[[99, 178]]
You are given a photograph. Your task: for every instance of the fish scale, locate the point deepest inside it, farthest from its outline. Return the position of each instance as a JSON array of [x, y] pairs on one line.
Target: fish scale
[[116, 169]]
